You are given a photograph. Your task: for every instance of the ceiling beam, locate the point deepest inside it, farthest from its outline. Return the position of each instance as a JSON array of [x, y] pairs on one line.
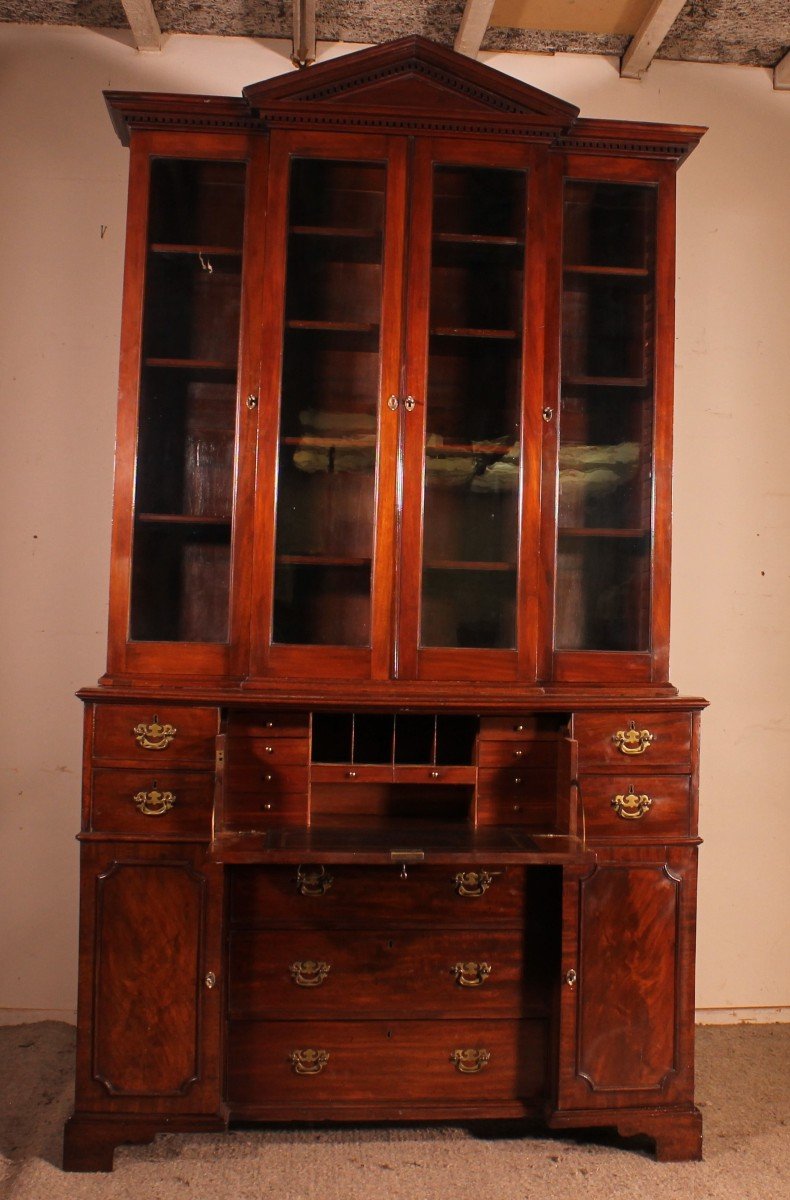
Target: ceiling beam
[[303, 53], [642, 48], [782, 74], [472, 29], [143, 24]]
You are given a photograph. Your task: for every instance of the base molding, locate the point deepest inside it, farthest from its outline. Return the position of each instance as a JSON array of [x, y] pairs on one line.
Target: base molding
[[677, 1134], [90, 1139]]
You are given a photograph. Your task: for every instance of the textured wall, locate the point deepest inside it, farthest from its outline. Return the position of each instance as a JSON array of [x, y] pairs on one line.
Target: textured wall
[[62, 198]]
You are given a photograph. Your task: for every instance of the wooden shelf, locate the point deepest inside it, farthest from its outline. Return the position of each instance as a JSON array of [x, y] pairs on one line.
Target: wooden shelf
[[610, 272], [454, 565], [334, 326], [148, 518], [492, 334], [605, 381], [343, 441], [322, 560], [191, 364], [183, 248], [486, 448], [336, 231], [582, 532], [476, 239]]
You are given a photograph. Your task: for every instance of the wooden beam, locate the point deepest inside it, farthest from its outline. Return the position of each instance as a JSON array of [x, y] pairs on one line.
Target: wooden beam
[[642, 48], [782, 74], [304, 33], [143, 24], [472, 29]]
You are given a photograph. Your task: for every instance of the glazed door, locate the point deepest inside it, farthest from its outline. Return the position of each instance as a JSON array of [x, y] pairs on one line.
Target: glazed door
[[182, 521], [329, 406], [471, 413], [608, 454], [627, 988], [149, 1023]]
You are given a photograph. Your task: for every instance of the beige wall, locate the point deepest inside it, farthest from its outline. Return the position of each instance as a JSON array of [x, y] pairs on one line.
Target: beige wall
[[62, 182]]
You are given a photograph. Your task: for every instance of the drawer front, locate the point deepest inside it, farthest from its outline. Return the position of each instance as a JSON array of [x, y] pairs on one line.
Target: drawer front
[[621, 806], [628, 742], [321, 896], [155, 804], [517, 753], [337, 973], [266, 779], [322, 1061], [350, 773], [258, 811], [537, 726], [154, 734], [268, 752], [268, 724]]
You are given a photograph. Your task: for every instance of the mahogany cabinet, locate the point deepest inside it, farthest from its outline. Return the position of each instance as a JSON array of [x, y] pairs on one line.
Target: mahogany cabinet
[[390, 811]]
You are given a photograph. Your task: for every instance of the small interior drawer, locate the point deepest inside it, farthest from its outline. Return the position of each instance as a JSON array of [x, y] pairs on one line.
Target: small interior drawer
[[268, 724], [154, 733], [152, 803], [517, 752], [633, 742]]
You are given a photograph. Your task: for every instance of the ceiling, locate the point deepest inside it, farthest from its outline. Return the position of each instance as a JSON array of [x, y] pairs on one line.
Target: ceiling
[[752, 32]]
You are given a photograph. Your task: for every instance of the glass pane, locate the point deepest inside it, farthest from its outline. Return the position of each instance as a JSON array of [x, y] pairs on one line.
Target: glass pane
[[473, 423], [606, 418], [330, 387], [187, 423]]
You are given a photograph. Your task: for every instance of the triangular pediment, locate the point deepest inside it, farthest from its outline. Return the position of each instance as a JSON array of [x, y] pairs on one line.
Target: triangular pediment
[[411, 74]]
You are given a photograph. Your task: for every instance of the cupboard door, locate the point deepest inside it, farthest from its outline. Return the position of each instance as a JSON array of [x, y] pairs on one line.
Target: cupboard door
[[329, 399], [627, 992], [149, 1030], [472, 412], [614, 429], [178, 595]]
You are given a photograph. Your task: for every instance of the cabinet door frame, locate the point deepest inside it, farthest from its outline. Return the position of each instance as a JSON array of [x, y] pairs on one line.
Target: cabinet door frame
[[199, 1091], [415, 661], [607, 666], [344, 662], [672, 870], [214, 659]]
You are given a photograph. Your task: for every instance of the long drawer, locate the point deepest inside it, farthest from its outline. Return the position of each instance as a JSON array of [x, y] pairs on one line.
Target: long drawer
[[315, 1061], [336, 973], [321, 896]]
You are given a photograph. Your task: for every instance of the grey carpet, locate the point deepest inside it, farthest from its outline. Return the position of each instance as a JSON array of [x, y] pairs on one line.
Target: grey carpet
[[743, 1091]]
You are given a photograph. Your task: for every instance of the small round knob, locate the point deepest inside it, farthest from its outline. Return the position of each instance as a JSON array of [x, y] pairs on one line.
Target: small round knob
[[516, 808], [434, 774], [518, 779], [268, 778], [351, 774], [269, 749], [518, 753], [269, 725], [518, 728], [267, 808]]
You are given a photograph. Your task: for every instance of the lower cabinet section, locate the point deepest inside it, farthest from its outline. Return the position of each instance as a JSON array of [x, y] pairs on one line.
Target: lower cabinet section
[[463, 1062]]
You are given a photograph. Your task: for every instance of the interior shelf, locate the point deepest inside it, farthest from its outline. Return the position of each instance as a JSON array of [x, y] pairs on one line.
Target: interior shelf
[[184, 248], [334, 326], [450, 565], [493, 334], [477, 239], [192, 364], [583, 532], [611, 272], [149, 518], [335, 231], [322, 560], [605, 381]]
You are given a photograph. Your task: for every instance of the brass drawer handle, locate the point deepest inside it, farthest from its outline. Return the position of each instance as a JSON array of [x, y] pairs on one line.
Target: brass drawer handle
[[471, 974], [473, 883], [633, 740], [630, 806], [309, 974], [470, 1061], [308, 1062], [154, 736], [313, 881], [154, 803]]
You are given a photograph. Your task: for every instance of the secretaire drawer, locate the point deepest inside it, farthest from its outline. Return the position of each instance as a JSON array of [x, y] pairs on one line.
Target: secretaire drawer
[[517, 753], [624, 806], [337, 973], [320, 895], [149, 803], [639, 742], [154, 733], [457, 1061]]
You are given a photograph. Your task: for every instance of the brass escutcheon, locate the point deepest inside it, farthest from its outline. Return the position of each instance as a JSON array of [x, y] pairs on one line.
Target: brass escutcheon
[[308, 1062], [154, 803], [313, 881], [309, 974], [154, 736], [470, 1061], [633, 740], [471, 974], [473, 883], [630, 806]]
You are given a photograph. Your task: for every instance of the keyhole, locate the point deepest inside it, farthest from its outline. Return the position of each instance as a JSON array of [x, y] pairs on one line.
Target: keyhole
[[389, 1034], [389, 943]]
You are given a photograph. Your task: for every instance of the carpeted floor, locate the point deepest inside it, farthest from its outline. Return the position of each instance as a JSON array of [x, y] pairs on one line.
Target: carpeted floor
[[743, 1091]]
